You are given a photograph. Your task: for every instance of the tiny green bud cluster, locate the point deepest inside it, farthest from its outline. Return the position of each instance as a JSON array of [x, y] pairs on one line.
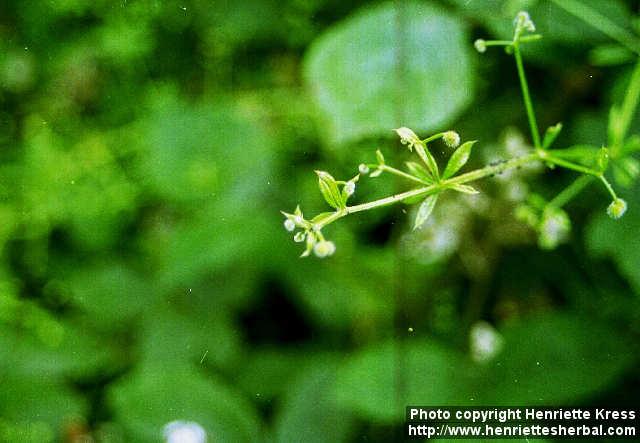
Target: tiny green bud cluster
[[480, 45], [524, 22], [451, 139], [617, 208], [324, 248]]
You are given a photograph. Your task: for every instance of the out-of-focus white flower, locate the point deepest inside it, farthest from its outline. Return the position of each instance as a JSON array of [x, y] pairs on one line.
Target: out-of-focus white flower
[[554, 228], [451, 139], [350, 188], [363, 169], [480, 45], [324, 248], [485, 342], [289, 225], [617, 208], [523, 21], [184, 432]]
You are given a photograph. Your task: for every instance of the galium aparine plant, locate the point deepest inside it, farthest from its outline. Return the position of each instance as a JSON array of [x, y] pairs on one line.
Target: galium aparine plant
[[548, 218]]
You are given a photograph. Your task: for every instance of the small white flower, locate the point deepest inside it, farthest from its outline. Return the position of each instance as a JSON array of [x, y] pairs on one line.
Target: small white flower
[[451, 139], [617, 208], [523, 21], [184, 432], [480, 45], [363, 169], [554, 228], [485, 342], [289, 225], [298, 220], [324, 248], [407, 137], [350, 188]]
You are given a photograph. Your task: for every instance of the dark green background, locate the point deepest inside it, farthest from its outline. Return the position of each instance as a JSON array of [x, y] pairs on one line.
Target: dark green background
[[146, 148]]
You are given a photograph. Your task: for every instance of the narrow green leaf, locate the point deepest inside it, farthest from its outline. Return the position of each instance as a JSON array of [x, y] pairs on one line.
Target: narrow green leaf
[[466, 189], [329, 189], [615, 125], [380, 157], [626, 171], [458, 159], [321, 217], [551, 134], [419, 171], [423, 152], [424, 211]]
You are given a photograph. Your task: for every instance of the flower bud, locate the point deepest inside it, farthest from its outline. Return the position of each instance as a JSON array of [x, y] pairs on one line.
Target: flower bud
[[363, 169], [324, 248], [480, 45], [349, 188], [407, 137], [299, 237], [451, 139], [289, 225], [523, 21], [617, 208]]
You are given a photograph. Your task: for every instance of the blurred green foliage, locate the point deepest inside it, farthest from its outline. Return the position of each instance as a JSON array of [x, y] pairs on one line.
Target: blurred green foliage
[[147, 146]]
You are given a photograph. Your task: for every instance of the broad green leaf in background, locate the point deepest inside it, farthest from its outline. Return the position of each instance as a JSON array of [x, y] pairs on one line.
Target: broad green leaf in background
[[154, 395], [618, 239], [395, 64], [310, 412], [558, 358], [430, 373], [35, 409]]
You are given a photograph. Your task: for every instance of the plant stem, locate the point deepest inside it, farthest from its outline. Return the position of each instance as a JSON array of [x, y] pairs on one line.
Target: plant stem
[[401, 174], [569, 165], [571, 191], [535, 134], [607, 185], [431, 189], [492, 169], [601, 23]]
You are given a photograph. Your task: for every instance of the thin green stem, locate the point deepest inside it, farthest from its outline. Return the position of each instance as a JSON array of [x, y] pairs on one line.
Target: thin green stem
[[433, 137], [569, 165], [571, 191], [401, 174], [607, 185], [523, 39], [492, 169], [601, 23], [535, 134]]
